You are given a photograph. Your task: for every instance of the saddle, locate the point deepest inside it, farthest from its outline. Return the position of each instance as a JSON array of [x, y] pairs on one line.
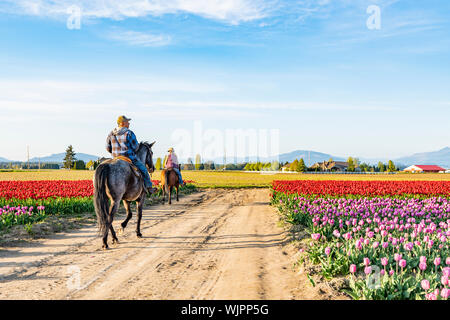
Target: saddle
[[134, 169]]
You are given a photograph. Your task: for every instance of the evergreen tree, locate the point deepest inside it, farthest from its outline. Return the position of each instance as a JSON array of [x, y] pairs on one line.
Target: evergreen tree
[[247, 167], [69, 159], [79, 165], [381, 166], [301, 167]]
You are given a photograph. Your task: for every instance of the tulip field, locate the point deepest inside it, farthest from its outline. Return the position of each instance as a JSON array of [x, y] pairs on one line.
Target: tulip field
[[390, 239], [24, 202]]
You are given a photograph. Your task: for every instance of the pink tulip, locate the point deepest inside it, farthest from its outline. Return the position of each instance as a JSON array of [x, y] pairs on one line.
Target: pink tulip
[[423, 259], [368, 270], [352, 268], [422, 266], [397, 256], [447, 261], [315, 236], [431, 296], [445, 293], [446, 271], [437, 261], [327, 251], [425, 284], [444, 280], [366, 261]]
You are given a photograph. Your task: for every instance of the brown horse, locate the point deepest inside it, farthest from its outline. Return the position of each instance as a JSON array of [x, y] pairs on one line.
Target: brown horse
[[169, 179]]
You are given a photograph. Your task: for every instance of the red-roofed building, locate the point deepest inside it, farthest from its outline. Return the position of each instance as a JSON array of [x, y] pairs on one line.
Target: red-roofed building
[[424, 168]]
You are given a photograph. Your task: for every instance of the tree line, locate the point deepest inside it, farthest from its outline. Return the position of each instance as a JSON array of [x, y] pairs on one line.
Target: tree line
[[298, 165]]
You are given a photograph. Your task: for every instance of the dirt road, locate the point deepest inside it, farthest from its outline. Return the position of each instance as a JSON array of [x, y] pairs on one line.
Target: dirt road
[[214, 244]]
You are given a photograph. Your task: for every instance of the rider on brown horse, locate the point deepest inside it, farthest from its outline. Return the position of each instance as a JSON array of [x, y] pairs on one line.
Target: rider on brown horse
[[172, 163], [122, 142]]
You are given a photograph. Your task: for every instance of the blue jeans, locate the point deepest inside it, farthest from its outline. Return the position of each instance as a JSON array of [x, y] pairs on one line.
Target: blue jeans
[[143, 169], [179, 175]]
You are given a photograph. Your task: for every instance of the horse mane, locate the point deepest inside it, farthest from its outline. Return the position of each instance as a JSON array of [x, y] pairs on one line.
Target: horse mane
[[143, 144]]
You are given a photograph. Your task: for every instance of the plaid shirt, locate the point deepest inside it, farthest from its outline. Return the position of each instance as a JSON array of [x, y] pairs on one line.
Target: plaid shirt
[[122, 145]]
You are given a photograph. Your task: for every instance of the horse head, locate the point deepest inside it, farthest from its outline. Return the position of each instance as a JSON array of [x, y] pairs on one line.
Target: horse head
[[145, 147]]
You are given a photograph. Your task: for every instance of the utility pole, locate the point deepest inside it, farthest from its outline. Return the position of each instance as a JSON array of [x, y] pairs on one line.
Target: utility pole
[[28, 156], [224, 158]]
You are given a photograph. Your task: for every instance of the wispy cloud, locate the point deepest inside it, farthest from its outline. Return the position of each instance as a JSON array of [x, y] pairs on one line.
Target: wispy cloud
[[228, 11], [94, 98], [140, 39]]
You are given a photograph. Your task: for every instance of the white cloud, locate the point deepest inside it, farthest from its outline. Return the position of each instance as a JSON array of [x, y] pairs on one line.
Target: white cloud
[[141, 39], [229, 11]]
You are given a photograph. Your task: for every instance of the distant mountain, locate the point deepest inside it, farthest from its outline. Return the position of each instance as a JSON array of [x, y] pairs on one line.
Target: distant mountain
[[59, 157], [310, 157], [440, 158]]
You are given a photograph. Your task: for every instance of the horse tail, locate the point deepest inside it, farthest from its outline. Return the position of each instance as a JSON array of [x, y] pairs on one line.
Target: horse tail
[[101, 200]]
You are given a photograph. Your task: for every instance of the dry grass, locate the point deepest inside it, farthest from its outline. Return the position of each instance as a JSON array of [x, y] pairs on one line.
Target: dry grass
[[226, 178]]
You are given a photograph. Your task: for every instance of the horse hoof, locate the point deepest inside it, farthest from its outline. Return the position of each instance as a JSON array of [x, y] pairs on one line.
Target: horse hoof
[[139, 235], [105, 247], [115, 241]]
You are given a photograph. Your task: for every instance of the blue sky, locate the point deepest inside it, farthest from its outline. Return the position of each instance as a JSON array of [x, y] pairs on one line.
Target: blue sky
[[311, 69]]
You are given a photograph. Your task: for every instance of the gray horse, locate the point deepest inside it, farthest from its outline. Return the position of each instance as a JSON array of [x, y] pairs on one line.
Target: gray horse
[[115, 181]]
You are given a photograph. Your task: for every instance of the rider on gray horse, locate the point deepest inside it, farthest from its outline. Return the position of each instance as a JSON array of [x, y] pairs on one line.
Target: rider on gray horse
[[122, 142]]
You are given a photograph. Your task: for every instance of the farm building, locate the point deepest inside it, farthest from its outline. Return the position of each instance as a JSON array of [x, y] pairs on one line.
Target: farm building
[[424, 168], [339, 166]]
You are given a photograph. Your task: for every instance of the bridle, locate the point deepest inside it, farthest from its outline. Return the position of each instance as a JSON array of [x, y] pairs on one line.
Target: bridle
[[150, 152]]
